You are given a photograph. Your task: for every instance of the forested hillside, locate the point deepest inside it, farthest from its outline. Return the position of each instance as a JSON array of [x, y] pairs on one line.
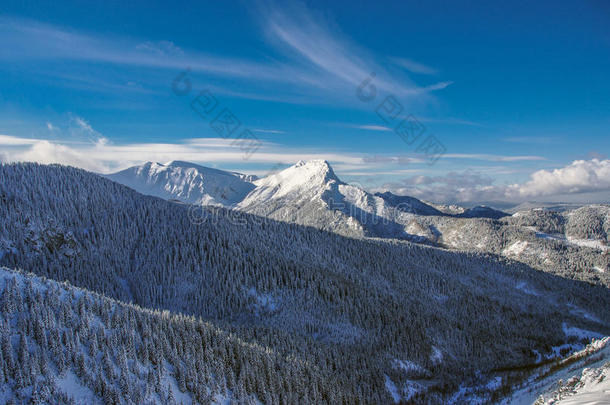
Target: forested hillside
[[557, 243], [370, 318], [64, 345]]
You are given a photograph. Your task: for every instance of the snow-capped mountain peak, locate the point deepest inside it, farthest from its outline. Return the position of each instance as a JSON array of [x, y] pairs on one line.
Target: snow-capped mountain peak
[[186, 182], [302, 175], [300, 184], [320, 165]]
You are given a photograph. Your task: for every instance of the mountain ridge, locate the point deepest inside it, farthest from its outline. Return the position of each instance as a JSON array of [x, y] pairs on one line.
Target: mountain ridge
[[186, 182], [310, 193]]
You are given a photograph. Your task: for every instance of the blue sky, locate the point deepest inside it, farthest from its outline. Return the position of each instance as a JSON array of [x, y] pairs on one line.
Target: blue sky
[[516, 95]]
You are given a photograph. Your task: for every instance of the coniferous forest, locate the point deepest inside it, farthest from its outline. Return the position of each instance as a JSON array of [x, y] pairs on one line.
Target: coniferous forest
[[109, 296]]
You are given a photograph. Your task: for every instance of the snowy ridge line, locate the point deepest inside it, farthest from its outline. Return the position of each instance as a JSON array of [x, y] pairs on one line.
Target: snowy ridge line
[[194, 184]]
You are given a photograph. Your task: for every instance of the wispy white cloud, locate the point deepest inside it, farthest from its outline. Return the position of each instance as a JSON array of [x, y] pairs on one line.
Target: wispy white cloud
[[370, 127], [319, 60], [531, 139], [9, 140], [429, 88], [298, 31], [414, 67], [397, 172], [268, 131], [493, 158], [31, 40], [83, 126], [385, 159], [451, 120], [47, 152], [162, 48]]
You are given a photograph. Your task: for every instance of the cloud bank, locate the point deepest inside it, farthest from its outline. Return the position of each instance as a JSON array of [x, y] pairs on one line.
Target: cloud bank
[[581, 176], [98, 154], [577, 178]]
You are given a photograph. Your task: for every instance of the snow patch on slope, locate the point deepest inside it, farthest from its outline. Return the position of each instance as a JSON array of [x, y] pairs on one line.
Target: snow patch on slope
[[404, 393], [526, 288], [580, 333], [590, 243], [71, 384], [516, 249], [408, 366]]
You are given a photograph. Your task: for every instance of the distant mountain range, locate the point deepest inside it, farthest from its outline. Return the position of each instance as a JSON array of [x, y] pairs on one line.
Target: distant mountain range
[[547, 206], [310, 193], [307, 193]]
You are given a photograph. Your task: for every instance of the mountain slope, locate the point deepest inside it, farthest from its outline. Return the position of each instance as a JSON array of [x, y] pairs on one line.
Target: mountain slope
[[481, 211], [541, 239], [582, 378], [409, 204], [309, 193], [83, 347], [347, 308]]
